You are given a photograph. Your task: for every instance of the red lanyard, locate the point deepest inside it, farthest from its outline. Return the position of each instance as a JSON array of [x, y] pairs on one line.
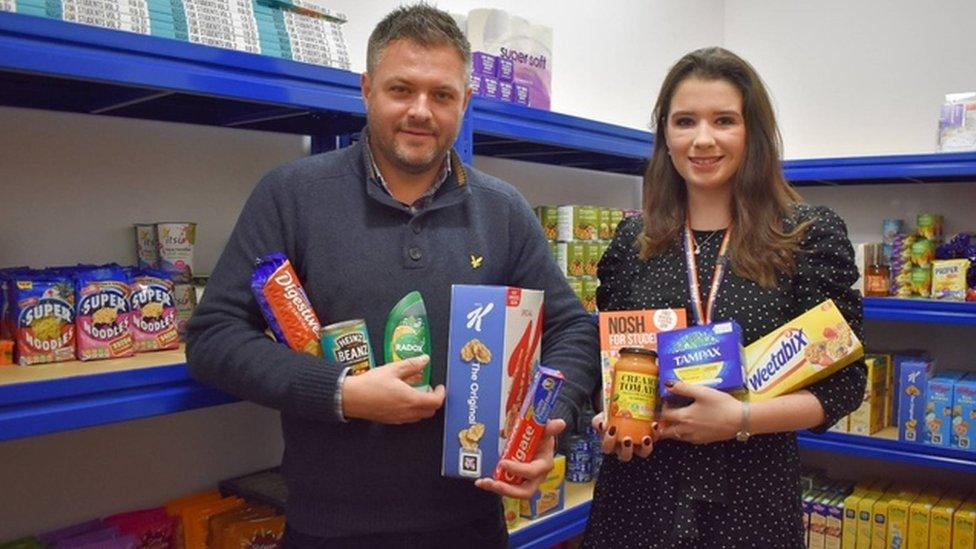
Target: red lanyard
[[703, 314]]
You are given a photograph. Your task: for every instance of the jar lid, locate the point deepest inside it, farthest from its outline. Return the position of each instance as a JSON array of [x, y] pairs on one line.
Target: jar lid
[[639, 351]]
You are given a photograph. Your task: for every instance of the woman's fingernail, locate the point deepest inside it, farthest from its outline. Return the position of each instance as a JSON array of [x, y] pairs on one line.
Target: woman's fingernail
[[656, 426], [669, 383], [627, 443], [647, 441], [612, 431], [599, 426]]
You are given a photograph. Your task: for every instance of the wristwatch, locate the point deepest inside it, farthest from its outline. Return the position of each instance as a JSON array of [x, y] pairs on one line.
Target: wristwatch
[[743, 434]]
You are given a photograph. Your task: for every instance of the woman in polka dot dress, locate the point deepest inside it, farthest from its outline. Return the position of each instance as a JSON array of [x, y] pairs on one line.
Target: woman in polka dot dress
[[719, 216]]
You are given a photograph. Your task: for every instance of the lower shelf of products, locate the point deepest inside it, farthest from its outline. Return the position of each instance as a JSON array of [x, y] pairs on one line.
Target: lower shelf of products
[[558, 527]]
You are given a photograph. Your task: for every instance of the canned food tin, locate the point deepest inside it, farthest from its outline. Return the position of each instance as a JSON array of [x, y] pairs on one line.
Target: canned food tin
[[923, 252], [176, 242], [347, 343], [147, 246], [929, 226], [579, 462], [186, 302], [922, 281]]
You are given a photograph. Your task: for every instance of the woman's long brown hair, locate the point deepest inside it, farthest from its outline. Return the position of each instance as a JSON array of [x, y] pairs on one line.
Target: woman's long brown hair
[[761, 247]]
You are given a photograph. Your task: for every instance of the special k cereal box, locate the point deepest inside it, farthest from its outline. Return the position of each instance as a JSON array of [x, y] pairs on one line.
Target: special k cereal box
[[801, 352], [913, 377], [493, 347], [619, 329]]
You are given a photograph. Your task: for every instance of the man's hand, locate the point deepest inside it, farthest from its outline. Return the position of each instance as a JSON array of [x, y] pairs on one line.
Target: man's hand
[[713, 416], [534, 472], [624, 447], [382, 394]]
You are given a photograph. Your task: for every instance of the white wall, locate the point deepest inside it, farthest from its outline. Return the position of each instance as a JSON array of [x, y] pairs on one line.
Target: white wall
[[856, 78]]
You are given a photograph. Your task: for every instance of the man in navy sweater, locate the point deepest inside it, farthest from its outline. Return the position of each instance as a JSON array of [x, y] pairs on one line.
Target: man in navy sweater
[[364, 226]]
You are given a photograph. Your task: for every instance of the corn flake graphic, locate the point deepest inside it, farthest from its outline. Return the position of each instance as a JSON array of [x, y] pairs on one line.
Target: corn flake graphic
[[477, 351]]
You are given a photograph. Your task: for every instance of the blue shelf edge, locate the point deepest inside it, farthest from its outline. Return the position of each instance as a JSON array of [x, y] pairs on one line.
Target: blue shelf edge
[[549, 531], [920, 310], [890, 450], [38, 408], [908, 167]]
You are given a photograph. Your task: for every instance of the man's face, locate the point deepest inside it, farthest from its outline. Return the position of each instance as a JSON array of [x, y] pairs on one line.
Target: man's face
[[415, 99]]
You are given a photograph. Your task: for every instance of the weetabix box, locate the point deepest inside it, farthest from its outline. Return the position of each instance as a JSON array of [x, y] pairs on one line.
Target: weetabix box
[[964, 525], [913, 377], [493, 348], [803, 351], [938, 408], [920, 519], [940, 530], [619, 329], [964, 414]]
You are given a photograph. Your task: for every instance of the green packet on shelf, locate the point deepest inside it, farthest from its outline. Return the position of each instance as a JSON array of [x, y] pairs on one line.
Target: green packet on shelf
[[408, 335]]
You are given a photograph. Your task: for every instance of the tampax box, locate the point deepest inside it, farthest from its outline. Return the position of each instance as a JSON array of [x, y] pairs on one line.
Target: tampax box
[[964, 413], [619, 329], [938, 408], [493, 348], [913, 377], [801, 352], [708, 355], [551, 494]]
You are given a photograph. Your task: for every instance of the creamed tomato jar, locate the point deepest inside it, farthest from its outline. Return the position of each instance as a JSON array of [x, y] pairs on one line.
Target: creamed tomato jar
[[634, 394]]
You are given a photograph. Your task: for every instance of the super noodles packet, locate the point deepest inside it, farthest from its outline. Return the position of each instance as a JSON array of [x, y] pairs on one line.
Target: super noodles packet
[[43, 313], [103, 315], [285, 304], [153, 307]]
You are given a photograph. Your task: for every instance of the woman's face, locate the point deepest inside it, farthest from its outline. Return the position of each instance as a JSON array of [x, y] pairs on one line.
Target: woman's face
[[706, 133]]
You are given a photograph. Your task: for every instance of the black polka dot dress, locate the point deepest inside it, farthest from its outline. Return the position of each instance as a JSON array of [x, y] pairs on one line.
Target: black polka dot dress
[[726, 494]]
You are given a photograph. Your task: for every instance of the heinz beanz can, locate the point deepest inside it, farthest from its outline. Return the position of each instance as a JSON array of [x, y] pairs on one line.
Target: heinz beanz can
[[347, 343]]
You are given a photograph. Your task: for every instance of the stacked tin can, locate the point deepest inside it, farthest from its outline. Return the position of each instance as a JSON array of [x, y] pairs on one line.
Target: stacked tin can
[[596, 450], [579, 462], [928, 236]]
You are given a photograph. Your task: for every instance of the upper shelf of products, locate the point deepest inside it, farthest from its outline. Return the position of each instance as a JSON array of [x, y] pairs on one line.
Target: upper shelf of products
[[57, 65], [920, 310]]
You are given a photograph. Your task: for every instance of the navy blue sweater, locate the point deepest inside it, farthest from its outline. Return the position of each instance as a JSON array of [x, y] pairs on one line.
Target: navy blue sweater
[[358, 251]]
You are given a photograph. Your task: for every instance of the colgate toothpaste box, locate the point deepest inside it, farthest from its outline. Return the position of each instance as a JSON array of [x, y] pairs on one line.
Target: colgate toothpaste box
[[493, 348], [531, 423]]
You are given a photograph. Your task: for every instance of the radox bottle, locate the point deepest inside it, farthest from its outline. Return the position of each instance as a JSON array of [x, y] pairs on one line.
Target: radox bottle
[[408, 335]]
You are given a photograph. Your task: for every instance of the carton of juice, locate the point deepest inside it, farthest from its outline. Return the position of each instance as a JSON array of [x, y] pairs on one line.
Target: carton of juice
[[849, 532], [818, 521], [833, 533], [865, 515], [899, 512], [879, 527], [869, 416], [551, 495], [493, 349], [940, 530], [964, 413], [964, 525], [913, 377], [938, 408], [809, 496], [619, 329], [920, 519], [801, 352]]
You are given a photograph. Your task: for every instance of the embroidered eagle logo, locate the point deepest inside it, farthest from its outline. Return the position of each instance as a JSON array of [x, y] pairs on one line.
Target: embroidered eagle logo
[[476, 261]]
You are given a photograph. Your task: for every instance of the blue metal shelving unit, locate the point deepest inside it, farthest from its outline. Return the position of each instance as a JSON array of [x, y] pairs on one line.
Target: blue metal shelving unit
[[551, 530], [42, 407], [920, 310], [909, 168], [891, 450], [520, 133]]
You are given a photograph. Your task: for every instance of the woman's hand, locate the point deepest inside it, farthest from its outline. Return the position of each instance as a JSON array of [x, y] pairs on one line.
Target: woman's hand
[[625, 448], [712, 417]]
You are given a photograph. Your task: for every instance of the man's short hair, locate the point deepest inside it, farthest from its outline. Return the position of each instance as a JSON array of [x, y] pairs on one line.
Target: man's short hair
[[420, 23]]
